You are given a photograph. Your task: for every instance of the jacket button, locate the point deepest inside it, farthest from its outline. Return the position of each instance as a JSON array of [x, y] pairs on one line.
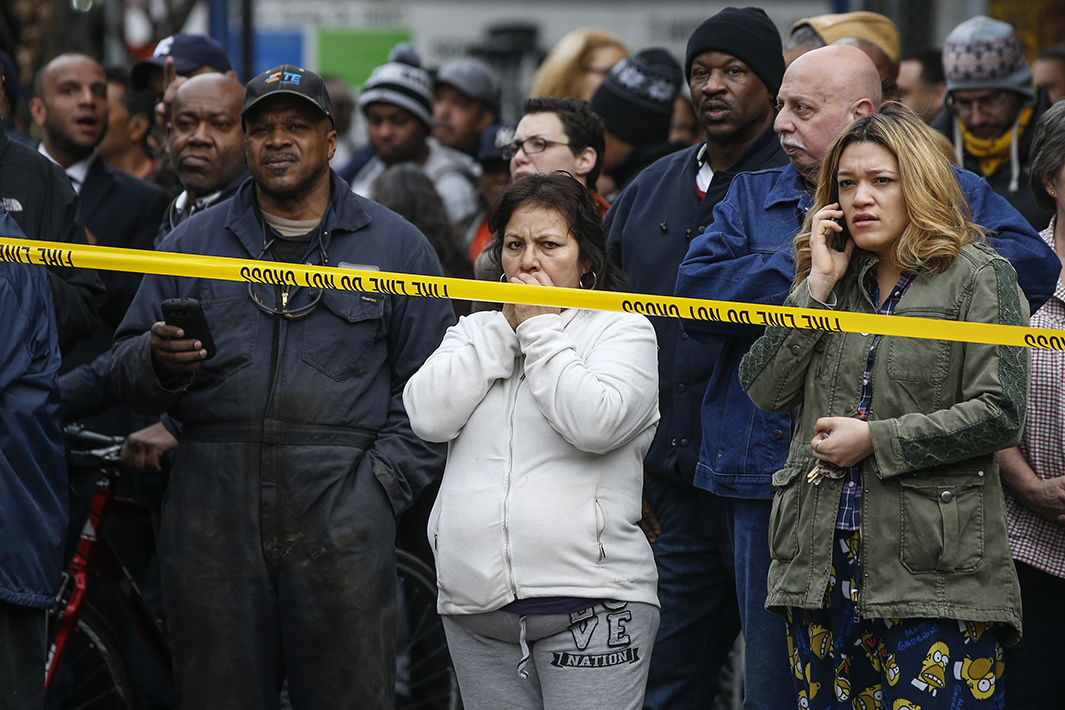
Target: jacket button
[[778, 435], [673, 442], [795, 349], [684, 443], [832, 485], [683, 336], [979, 473], [946, 496], [848, 409], [682, 388]]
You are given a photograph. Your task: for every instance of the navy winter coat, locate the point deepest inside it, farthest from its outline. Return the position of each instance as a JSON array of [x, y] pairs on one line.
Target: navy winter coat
[[649, 228], [33, 474]]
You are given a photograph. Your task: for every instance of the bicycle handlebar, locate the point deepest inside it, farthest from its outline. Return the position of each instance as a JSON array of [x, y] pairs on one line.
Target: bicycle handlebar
[[85, 444]]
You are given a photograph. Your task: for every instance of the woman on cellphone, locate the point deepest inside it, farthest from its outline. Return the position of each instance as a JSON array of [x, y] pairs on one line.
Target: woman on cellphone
[[888, 533], [548, 587]]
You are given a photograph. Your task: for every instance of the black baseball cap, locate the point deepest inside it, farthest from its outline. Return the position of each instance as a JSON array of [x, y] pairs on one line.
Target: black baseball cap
[[288, 79], [190, 52]]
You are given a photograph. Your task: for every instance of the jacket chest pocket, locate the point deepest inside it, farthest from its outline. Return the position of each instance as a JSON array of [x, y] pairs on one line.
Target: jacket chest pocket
[[337, 341], [917, 360], [942, 523]]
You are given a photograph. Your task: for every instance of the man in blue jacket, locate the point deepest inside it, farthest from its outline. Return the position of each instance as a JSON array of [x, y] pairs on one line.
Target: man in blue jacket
[[746, 256], [33, 476], [277, 535], [734, 67]]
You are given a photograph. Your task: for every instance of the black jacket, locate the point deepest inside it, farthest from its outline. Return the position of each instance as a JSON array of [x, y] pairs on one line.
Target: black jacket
[[172, 218], [120, 211], [37, 193]]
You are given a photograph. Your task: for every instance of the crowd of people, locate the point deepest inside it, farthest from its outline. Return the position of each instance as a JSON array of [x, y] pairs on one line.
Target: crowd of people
[[615, 498]]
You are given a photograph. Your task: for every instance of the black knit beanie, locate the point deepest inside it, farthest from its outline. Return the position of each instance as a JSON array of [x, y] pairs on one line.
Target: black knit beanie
[[635, 100], [747, 34]]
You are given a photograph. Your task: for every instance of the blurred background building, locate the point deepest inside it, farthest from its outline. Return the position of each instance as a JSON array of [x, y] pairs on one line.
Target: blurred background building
[[348, 38]]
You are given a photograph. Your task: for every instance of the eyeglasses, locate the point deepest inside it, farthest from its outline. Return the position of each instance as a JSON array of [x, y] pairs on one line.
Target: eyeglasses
[[987, 102], [531, 146]]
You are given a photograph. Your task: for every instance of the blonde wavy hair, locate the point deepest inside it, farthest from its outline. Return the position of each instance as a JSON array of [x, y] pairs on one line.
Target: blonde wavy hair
[[558, 75], [938, 215]]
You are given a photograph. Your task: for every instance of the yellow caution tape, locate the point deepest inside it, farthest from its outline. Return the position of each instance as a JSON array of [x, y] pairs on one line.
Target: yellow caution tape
[[365, 279]]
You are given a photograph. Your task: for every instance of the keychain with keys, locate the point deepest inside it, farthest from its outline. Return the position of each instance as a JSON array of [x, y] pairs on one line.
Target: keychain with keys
[[824, 469]]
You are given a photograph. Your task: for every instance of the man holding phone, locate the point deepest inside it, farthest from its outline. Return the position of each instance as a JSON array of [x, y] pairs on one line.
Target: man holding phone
[[296, 453]]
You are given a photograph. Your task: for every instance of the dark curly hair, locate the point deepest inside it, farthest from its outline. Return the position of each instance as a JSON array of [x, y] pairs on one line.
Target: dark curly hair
[[561, 192]]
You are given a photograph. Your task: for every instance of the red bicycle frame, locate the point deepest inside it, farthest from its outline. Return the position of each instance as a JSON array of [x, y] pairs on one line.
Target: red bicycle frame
[[94, 557]]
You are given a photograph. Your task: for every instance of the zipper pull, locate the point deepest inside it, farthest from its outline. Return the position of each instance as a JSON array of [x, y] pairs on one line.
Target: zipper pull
[[284, 297], [602, 552], [522, 378], [436, 541]]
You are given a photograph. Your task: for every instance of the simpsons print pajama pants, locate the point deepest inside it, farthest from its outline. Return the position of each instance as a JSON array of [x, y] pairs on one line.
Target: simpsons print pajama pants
[[841, 661]]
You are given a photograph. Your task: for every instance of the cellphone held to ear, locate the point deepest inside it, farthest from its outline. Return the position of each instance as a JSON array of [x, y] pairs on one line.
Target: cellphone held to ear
[[839, 240], [187, 314]]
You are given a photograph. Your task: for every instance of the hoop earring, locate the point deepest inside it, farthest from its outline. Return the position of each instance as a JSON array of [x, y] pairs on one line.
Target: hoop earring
[[503, 277], [595, 280]]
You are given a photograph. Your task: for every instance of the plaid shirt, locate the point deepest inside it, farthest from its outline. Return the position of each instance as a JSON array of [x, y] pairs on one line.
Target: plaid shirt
[[1034, 540], [850, 502]]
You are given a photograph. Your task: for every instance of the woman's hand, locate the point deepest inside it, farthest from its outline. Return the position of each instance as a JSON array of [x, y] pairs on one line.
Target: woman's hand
[[843, 441], [827, 264], [517, 313]]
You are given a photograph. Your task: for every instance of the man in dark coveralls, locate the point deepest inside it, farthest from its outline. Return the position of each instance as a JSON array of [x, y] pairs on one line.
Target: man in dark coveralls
[[277, 535]]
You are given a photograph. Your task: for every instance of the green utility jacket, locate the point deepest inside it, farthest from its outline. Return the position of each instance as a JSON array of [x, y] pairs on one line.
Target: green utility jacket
[[933, 522]]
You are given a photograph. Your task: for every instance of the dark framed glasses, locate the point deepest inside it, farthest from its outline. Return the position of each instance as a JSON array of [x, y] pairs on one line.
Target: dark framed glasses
[[531, 146]]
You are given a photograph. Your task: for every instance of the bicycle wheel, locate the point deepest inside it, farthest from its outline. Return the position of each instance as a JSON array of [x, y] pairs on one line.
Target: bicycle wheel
[[93, 673], [425, 677]]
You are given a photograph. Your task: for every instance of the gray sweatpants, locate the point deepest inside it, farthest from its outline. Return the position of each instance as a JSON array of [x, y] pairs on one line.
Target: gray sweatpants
[[597, 658]]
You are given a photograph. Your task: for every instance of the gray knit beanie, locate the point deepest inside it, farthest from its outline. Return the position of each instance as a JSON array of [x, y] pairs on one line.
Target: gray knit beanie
[[982, 53], [401, 85]]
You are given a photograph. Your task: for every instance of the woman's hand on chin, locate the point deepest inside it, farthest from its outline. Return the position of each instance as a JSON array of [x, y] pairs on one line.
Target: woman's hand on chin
[[827, 264]]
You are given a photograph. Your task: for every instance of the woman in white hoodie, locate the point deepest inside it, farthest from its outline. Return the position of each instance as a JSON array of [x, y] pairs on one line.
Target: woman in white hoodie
[[547, 584]]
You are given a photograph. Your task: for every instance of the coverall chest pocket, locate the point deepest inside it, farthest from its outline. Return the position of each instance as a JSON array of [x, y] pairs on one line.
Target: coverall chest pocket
[[234, 325], [344, 351], [942, 522]]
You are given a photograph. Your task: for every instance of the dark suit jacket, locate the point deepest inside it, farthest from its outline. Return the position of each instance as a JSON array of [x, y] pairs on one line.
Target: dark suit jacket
[[120, 211], [37, 193]]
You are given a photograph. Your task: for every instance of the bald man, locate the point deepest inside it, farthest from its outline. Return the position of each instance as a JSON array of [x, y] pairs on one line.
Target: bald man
[[886, 67], [206, 144], [745, 255], [70, 105]]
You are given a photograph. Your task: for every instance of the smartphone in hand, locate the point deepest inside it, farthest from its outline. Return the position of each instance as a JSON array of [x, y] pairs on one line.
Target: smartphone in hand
[[839, 240], [187, 314]]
